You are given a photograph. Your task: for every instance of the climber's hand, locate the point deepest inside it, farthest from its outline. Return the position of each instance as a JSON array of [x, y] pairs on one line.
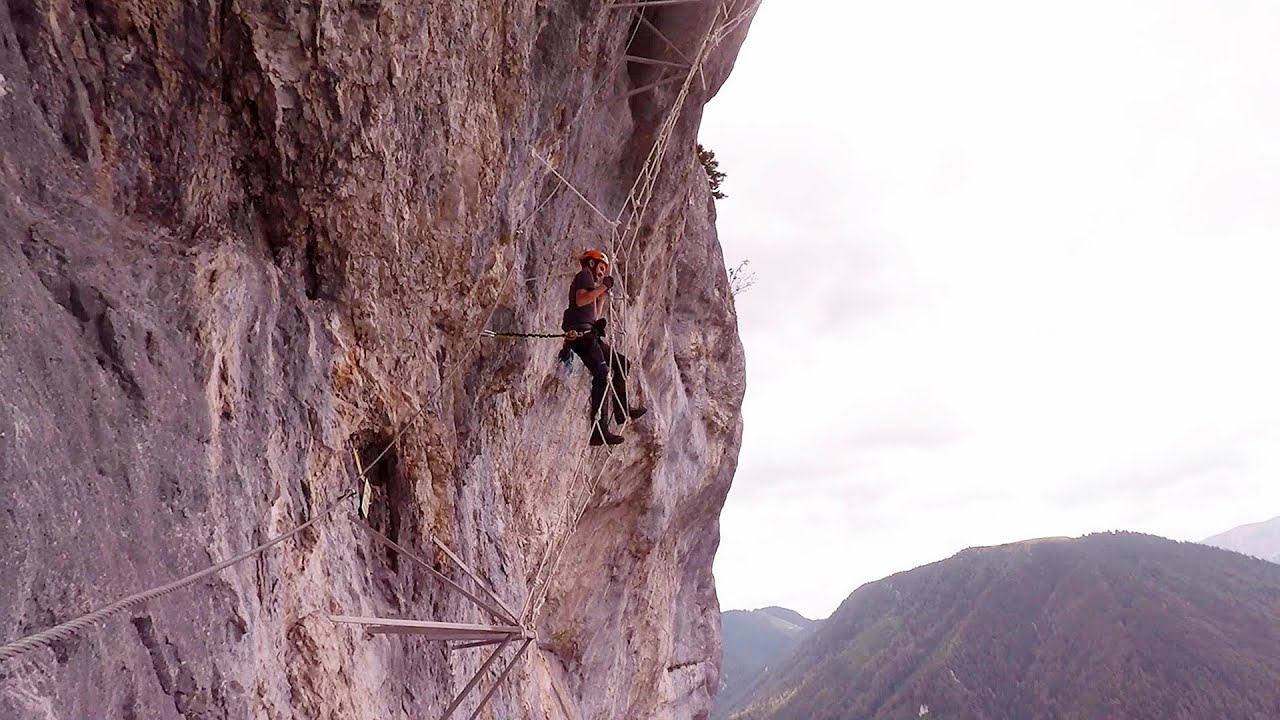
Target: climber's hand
[[608, 282]]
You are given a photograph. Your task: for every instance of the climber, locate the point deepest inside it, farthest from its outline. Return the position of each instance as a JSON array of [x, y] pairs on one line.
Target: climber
[[585, 315]]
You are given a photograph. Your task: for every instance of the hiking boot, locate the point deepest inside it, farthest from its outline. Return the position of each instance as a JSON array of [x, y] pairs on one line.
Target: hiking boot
[[634, 413], [600, 437]]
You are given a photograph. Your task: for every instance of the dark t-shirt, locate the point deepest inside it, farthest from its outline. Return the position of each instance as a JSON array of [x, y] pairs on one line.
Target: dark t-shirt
[[575, 317]]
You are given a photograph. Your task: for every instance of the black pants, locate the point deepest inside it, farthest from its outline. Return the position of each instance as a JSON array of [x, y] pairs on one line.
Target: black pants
[[598, 357]]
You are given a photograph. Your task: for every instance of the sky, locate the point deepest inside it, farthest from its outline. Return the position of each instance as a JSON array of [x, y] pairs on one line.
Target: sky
[[1017, 275]]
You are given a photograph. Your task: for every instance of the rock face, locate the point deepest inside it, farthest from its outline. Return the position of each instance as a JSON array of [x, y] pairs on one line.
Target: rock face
[[240, 239]]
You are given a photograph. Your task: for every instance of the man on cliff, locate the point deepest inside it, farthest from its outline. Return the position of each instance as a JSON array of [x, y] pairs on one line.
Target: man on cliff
[[585, 314]]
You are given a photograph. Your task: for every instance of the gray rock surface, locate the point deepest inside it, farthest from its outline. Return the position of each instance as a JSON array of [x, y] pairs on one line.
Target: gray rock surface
[[240, 238]]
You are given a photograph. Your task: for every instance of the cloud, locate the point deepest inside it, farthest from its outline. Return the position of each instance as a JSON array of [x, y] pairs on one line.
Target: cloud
[[906, 436], [1206, 468], [1015, 278]]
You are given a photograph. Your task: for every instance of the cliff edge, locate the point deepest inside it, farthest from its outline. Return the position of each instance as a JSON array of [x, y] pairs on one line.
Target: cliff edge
[[244, 241]]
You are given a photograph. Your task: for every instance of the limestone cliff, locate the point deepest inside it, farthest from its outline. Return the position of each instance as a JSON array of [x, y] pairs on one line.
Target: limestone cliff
[[239, 238]]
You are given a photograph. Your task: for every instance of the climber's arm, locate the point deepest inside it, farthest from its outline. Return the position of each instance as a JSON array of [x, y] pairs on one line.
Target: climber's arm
[[594, 295]]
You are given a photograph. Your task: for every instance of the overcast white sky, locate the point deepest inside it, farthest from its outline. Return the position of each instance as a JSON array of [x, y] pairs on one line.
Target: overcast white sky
[[1018, 275]]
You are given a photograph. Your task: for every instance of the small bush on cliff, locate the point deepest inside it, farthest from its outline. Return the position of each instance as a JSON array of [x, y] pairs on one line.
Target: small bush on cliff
[[714, 176], [563, 643], [740, 278]]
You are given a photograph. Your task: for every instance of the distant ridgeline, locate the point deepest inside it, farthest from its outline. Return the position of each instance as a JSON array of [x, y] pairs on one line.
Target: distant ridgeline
[[1261, 540], [1116, 625], [756, 642]]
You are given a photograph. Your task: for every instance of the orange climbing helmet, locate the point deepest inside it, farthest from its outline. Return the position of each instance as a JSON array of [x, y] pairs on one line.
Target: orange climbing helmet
[[594, 255]]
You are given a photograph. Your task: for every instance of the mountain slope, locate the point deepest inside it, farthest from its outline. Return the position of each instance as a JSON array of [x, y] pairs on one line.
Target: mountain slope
[[1261, 540], [754, 641], [1106, 626]]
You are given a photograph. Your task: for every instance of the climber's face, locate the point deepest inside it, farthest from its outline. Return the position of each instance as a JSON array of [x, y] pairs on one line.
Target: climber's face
[[601, 269]]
